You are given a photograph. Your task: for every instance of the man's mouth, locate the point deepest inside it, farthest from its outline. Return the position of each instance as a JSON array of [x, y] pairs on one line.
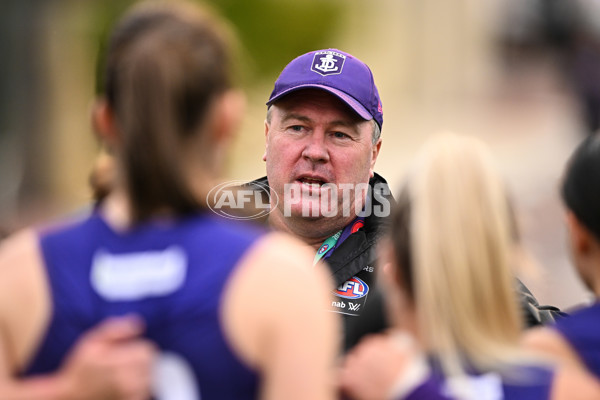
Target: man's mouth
[[314, 183]]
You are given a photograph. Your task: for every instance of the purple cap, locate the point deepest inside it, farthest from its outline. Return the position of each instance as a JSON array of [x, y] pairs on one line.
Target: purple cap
[[337, 72]]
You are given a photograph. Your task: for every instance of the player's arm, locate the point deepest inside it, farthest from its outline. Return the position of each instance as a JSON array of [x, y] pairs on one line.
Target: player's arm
[[388, 366], [106, 363], [276, 317], [572, 380]]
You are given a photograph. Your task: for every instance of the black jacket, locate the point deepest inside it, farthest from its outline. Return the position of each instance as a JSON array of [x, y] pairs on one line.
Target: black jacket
[[355, 261]]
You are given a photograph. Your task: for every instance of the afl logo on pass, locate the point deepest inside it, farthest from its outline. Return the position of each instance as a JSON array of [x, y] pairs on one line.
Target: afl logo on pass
[[323, 248], [353, 288]]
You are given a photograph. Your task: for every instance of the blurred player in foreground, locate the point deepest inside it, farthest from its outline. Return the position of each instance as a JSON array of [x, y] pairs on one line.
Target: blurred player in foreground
[[211, 294], [576, 339]]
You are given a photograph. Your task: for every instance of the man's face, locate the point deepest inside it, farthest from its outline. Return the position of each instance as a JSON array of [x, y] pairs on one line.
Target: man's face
[[317, 151]]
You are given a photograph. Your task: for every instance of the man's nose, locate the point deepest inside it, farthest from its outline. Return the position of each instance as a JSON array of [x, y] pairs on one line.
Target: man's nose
[[315, 148]]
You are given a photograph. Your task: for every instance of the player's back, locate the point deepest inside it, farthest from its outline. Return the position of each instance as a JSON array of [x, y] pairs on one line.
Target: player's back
[[526, 382], [171, 274], [580, 329]]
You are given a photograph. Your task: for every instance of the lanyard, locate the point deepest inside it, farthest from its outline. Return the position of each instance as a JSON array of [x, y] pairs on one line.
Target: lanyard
[[327, 245]]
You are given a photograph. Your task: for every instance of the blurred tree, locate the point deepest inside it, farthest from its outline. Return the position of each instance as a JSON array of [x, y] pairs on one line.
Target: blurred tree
[[274, 32], [271, 32], [34, 120], [22, 111]]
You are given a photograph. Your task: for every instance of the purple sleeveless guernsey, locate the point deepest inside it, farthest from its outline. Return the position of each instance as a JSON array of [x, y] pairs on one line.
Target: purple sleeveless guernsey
[[582, 330], [524, 383], [172, 275]]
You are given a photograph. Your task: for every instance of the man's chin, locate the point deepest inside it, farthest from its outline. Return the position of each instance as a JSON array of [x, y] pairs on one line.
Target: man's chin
[[311, 211]]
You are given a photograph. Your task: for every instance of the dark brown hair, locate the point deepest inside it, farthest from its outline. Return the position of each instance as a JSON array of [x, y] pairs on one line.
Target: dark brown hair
[[165, 64], [580, 188]]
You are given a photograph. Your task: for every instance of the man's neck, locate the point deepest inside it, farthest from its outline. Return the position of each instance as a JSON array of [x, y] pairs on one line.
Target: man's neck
[[311, 237]]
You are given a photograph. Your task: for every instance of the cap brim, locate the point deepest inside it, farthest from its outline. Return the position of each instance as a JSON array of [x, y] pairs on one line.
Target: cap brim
[[349, 100]]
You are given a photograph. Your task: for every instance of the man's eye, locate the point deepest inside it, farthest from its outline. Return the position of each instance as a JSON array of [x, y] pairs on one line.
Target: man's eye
[[297, 128], [340, 135]]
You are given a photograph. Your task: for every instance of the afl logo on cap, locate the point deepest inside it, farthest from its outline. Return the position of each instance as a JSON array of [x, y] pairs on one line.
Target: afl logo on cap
[[328, 62], [353, 288]]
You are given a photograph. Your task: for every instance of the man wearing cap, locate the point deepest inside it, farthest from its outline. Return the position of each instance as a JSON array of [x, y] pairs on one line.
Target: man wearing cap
[[322, 131]]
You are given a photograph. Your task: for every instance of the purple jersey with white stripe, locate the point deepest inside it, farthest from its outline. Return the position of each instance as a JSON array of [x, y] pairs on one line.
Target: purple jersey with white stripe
[[172, 274], [582, 330], [526, 382]]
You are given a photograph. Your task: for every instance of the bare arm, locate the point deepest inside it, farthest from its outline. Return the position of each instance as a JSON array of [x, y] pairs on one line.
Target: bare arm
[[44, 388], [285, 330], [384, 366], [572, 380], [106, 363]]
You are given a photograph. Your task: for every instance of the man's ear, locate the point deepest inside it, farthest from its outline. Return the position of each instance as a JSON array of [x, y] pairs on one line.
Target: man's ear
[[267, 126], [580, 237], [374, 155], [103, 123]]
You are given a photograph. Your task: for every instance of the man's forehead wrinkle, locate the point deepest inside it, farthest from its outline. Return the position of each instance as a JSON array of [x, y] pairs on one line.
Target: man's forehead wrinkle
[[315, 97], [345, 122], [288, 115], [289, 108]]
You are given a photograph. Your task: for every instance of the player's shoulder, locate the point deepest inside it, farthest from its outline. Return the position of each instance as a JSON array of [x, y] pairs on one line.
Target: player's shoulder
[[22, 278], [17, 249], [209, 227], [275, 250], [582, 314], [20, 261], [285, 261], [549, 342]]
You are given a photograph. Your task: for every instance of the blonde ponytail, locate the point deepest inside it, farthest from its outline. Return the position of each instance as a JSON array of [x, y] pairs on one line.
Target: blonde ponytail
[[460, 249]]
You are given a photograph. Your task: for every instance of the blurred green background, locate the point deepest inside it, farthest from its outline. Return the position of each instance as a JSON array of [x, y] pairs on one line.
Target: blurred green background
[[520, 74], [48, 79]]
